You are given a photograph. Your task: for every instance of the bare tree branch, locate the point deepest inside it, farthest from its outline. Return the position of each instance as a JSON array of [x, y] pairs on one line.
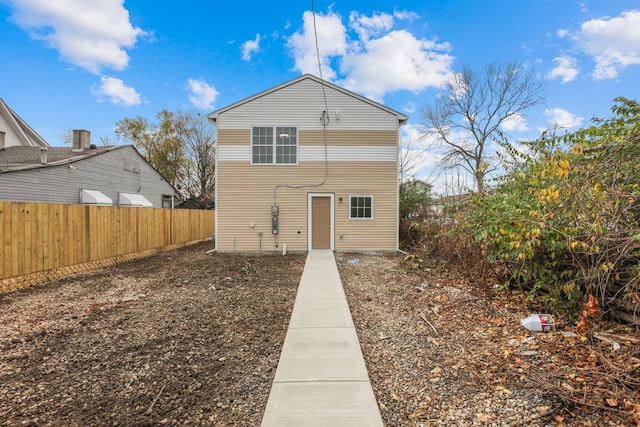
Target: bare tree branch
[[466, 119], [181, 146]]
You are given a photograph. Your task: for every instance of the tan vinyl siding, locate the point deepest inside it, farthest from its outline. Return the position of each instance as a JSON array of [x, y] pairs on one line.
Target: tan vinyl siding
[[316, 137], [246, 194], [361, 137], [234, 136], [341, 145]]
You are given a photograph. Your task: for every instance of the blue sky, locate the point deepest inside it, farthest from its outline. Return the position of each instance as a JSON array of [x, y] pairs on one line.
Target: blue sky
[[86, 64]]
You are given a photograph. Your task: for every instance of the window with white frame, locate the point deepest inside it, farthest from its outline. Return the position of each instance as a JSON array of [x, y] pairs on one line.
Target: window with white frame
[[274, 145], [360, 207]]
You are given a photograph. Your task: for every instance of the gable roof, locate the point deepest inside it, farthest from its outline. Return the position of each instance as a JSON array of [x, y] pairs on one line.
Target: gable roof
[[24, 133], [22, 158], [401, 117]]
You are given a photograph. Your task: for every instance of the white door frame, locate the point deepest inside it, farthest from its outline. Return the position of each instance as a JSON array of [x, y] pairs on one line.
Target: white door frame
[[310, 196]]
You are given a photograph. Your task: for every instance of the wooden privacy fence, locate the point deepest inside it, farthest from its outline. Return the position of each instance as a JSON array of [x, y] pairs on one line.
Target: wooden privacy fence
[[40, 241]]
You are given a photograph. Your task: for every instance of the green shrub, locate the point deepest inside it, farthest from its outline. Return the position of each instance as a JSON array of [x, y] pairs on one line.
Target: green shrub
[[565, 221]]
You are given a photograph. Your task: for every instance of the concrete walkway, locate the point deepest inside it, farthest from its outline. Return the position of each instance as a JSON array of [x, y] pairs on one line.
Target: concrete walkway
[[321, 378]]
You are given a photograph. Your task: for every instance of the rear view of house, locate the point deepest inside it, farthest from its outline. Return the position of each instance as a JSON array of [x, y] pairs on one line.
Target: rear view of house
[[309, 165]]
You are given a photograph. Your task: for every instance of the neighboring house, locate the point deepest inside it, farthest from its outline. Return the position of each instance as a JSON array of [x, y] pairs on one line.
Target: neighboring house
[[15, 132], [309, 165], [448, 205], [193, 203], [84, 173]]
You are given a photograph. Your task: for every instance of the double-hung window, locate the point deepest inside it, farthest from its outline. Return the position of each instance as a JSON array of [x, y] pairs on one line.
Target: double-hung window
[[274, 145], [361, 207]]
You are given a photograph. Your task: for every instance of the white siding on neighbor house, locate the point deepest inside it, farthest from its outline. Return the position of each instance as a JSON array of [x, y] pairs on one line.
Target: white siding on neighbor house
[[302, 105], [317, 153], [10, 138], [110, 173]]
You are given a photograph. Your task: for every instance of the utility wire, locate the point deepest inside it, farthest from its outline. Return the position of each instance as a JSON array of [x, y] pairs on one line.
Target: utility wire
[[324, 119], [315, 33]]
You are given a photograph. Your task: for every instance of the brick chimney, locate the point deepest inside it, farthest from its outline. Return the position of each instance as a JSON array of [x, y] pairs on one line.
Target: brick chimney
[[81, 140]]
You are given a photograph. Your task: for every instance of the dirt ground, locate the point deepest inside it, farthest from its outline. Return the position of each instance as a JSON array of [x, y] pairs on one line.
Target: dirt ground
[[183, 338], [180, 338], [441, 350]]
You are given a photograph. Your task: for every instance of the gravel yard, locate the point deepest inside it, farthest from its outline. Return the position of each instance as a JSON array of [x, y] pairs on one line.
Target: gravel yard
[[183, 338], [442, 351]]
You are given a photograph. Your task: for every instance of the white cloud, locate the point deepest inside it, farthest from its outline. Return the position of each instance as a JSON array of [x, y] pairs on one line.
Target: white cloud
[[562, 118], [410, 107], [515, 123], [614, 43], [396, 61], [332, 38], [117, 92], [370, 26], [377, 60], [566, 69], [202, 95], [562, 33], [411, 135], [250, 47], [89, 34], [405, 15], [414, 154]]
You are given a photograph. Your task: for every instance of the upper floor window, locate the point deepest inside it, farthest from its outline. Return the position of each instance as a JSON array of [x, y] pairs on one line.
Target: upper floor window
[[277, 145]]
